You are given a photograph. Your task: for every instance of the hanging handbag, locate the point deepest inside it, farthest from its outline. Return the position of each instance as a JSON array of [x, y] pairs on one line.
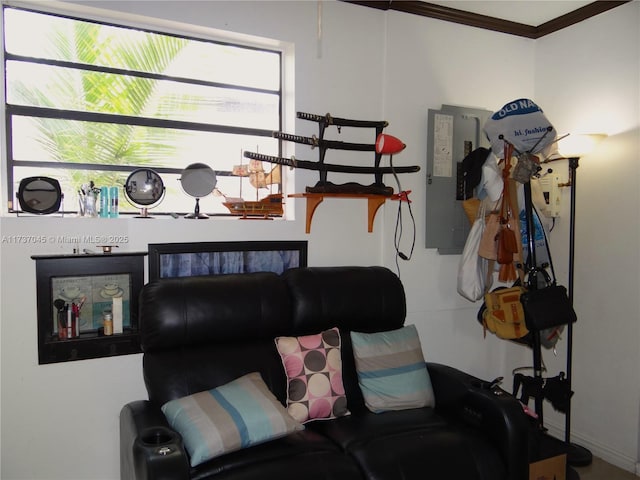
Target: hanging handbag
[[472, 269], [507, 244], [528, 165], [548, 337], [488, 247], [503, 314], [471, 206], [547, 307], [558, 391], [507, 241]]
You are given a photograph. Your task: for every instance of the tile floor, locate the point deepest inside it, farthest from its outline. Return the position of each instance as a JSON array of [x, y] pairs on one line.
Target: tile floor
[[601, 470]]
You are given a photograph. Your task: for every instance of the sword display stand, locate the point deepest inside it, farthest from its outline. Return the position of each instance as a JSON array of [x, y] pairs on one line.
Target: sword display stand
[[323, 185], [376, 193]]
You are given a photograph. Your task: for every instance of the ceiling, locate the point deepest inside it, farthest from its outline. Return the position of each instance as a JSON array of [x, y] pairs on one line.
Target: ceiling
[[529, 12], [526, 18]]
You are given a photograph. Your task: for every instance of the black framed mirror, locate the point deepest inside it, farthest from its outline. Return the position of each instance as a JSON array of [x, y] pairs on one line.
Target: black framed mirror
[[198, 180], [144, 189], [39, 195]]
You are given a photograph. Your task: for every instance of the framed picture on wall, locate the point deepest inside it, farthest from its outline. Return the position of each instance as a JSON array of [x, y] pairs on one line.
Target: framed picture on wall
[[168, 260], [76, 294]]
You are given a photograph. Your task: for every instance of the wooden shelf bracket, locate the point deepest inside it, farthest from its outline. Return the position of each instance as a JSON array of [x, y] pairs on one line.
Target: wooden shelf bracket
[[374, 202]]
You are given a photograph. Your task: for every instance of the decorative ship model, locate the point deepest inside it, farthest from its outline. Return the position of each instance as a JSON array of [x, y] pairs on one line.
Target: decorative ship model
[[271, 205]]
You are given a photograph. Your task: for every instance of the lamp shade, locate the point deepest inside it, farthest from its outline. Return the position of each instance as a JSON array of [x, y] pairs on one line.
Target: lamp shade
[[578, 145], [388, 144]]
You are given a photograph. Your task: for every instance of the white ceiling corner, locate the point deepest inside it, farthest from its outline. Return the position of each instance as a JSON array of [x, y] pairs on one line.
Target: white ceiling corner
[[528, 12]]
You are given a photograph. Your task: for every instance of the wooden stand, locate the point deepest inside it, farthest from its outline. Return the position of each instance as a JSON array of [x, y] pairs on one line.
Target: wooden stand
[[315, 199]]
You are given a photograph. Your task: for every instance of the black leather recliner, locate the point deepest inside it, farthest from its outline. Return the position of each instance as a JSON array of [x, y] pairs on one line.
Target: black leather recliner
[[201, 332]]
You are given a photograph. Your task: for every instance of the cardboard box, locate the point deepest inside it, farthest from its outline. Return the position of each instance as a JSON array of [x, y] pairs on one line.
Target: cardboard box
[[552, 468]]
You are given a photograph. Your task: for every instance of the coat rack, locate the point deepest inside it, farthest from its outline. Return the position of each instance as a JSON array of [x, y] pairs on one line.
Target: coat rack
[[521, 124], [580, 145]]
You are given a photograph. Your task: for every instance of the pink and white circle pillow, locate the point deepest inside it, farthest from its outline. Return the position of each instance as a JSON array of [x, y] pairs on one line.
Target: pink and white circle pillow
[[314, 375]]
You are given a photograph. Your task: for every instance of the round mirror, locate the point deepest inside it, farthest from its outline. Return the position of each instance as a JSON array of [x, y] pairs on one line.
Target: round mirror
[[144, 189], [198, 180], [40, 195]]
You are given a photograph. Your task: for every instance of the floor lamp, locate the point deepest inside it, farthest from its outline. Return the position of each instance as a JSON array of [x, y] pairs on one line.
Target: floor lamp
[[573, 147]]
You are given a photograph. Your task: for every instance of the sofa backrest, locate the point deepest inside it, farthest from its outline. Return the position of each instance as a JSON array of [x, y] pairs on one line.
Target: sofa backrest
[[364, 299], [361, 299], [200, 332], [190, 311]]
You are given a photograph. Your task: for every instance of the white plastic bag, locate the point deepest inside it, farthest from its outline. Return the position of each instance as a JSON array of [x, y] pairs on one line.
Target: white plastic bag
[[472, 270], [523, 124]]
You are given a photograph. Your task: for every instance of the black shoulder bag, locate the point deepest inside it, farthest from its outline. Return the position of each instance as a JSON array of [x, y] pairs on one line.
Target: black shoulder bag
[[549, 306]]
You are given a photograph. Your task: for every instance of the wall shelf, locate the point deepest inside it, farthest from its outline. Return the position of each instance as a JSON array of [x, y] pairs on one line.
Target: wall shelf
[[374, 202], [87, 284]]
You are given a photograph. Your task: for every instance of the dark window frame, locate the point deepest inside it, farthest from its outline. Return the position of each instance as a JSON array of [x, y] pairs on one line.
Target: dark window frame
[[12, 110]]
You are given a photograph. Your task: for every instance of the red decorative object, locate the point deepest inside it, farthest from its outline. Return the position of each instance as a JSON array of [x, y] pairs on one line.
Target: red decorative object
[[402, 196], [388, 144]]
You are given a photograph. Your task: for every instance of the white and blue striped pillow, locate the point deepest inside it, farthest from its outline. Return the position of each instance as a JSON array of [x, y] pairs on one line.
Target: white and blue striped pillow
[[233, 416], [391, 370]]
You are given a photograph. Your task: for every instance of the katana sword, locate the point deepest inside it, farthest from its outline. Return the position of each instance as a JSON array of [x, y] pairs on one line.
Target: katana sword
[[341, 122], [328, 167], [319, 142]]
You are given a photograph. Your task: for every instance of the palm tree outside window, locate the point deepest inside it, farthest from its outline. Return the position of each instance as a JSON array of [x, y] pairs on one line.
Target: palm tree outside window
[[91, 101]]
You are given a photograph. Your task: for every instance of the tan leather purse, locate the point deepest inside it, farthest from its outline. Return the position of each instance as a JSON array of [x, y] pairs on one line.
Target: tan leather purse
[[504, 314]]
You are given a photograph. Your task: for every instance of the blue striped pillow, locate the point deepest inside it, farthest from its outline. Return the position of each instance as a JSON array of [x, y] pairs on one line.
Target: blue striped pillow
[[233, 416], [391, 370]]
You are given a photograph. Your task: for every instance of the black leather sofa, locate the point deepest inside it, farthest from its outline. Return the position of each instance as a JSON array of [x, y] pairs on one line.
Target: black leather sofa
[[201, 332]]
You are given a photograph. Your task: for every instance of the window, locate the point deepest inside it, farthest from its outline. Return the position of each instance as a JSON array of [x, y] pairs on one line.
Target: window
[[91, 101]]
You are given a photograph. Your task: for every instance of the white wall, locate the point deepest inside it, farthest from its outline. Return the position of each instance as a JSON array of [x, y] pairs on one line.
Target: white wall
[[588, 80], [60, 421], [372, 65], [430, 63]]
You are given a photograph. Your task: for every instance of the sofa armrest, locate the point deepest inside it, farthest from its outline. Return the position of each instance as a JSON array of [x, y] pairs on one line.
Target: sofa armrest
[[149, 448], [485, 406]]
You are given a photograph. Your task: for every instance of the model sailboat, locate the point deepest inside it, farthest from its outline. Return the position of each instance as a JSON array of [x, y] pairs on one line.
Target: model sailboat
[[271, 205]]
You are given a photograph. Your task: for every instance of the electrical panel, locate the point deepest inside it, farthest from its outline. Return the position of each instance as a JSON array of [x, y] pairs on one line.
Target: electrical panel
[[453, 132]]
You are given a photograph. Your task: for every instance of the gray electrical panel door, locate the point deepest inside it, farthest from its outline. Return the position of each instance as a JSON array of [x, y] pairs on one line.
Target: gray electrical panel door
[[453, 133]]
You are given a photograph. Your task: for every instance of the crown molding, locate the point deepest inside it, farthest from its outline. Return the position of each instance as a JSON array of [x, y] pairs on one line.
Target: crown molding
[[454, 15]]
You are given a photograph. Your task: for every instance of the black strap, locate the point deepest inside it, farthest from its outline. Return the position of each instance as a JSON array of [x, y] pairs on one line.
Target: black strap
[[551, 280]]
